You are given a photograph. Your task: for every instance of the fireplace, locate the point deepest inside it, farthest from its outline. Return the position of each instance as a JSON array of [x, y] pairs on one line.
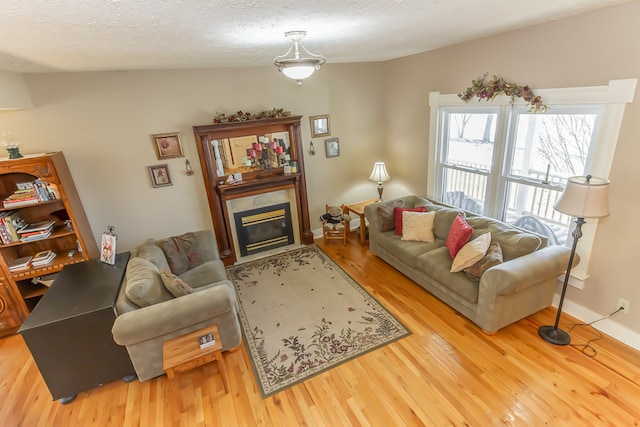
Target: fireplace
[[264, 228]]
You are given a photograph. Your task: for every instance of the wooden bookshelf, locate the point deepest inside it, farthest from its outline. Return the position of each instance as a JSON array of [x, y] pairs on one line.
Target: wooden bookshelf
[[71, 237]]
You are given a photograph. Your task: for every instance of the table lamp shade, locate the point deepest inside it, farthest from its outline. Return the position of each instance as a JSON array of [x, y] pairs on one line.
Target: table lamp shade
[[379, 173], [585, 197]]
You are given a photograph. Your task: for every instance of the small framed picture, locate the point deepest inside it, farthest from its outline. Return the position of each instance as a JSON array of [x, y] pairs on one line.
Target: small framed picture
[[160, 176], [332, 147], [108, 248], [320, 125], [167, 145]]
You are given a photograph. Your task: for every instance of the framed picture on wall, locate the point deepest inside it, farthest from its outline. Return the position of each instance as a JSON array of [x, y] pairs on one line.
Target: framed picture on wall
[[167, 145], [332, 147], [320, 125], [160, 176]]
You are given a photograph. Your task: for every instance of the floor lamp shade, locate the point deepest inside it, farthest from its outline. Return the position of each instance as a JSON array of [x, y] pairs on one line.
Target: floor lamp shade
[[583, 197], [379, 174]]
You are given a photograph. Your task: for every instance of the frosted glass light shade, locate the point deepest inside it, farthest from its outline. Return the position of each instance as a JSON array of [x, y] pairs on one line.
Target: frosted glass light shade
[[298, 72], [379, 173], [585, 198]]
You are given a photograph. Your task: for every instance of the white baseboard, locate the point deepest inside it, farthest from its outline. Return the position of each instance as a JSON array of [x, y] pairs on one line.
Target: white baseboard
[[608, 326]]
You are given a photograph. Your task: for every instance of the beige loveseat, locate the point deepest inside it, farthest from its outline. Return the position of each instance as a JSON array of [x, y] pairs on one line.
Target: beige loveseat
[[148, 314], [505, 293]]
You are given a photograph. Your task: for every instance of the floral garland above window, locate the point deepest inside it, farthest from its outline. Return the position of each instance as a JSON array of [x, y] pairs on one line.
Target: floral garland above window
[[241, 116], [488, 90]]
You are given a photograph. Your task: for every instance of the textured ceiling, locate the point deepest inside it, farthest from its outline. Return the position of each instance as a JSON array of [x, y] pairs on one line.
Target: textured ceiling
[[86, 35]]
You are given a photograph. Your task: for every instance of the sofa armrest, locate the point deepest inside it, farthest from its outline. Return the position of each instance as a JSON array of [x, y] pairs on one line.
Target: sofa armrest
[[160, 319], [525, 271]]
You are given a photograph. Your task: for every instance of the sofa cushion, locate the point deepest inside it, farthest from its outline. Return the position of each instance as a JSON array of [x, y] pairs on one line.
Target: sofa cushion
[[387, 217], [144, 285], [436, 265], [418, 226], [515, 243], [491, 258], [471, 253], [174, 284], [397, 212], [406, 251], [209, 272], [444, 219], [458, 236], [152, 252]]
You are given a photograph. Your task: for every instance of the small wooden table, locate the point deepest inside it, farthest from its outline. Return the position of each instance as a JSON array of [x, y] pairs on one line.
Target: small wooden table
[[183, 353], [358, 209]]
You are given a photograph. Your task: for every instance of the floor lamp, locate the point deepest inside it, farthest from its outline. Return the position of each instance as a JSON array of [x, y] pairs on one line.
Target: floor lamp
[[583, 197], [379, 174]]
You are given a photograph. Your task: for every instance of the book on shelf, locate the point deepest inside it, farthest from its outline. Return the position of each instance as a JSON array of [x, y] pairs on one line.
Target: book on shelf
[[35, 236], [30, 193], [36, 227], [207, 340], [18, 203], [22, 263], [43, 258], [10, 223]]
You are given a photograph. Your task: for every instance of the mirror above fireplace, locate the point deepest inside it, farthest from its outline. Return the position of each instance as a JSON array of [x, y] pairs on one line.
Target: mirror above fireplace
[[232, 154]]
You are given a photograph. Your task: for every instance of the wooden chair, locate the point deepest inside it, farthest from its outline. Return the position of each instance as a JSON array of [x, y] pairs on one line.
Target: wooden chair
[[332, 230]]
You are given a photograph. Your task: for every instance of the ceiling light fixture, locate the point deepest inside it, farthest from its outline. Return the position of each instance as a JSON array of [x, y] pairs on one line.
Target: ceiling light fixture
[[298, 63]]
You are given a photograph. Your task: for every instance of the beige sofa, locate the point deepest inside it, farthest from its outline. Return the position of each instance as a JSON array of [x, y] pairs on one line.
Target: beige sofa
[[148, 314], [520, 286]]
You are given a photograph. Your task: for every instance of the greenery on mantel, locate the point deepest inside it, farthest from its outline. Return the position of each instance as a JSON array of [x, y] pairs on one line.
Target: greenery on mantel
[[240, 116], [488, 90]]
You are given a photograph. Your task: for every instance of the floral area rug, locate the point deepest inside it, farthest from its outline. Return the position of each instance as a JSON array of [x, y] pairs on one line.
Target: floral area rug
[[301, 314]]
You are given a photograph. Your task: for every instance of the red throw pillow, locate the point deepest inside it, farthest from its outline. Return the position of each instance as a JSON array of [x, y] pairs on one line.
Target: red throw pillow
[[458, 236], [398, 214]]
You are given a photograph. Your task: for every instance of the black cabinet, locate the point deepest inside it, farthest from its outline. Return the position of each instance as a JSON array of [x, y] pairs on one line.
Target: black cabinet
[[69, 331]]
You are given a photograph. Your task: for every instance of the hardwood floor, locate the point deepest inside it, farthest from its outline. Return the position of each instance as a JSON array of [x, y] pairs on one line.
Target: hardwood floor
[[446, 373]]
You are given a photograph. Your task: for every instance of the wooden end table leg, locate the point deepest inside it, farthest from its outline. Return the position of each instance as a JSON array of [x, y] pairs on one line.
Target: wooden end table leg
[[223, 370], [363, 230], [170, 373]]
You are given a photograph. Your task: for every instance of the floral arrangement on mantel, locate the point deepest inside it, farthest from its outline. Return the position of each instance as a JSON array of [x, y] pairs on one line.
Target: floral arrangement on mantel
[[488, 90], [240, 116]]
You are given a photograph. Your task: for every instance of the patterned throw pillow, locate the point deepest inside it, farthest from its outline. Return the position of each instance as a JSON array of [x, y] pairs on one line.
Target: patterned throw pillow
[[397, 212], [387, 217], [188, 244], [182, 252], [418, 226], [458, 236], [493, 257], [176, 258], [174, 284]]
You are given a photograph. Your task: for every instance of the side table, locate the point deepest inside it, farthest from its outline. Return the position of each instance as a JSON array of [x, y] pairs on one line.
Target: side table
[[184, 353], [358, 209]]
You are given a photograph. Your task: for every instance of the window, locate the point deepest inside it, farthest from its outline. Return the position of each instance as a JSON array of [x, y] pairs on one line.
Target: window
[[505, 162]]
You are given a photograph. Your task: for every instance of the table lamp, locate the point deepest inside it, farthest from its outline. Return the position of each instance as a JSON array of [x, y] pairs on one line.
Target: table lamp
[[379, 174]]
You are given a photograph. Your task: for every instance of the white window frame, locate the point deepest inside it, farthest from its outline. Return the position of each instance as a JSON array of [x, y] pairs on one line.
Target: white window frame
[[613, 97]]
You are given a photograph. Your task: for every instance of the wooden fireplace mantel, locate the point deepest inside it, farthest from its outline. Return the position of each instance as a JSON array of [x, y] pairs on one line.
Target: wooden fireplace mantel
[[253, 181]]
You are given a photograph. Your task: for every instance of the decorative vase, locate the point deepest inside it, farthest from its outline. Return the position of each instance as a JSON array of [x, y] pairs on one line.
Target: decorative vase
[[14, 152]]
